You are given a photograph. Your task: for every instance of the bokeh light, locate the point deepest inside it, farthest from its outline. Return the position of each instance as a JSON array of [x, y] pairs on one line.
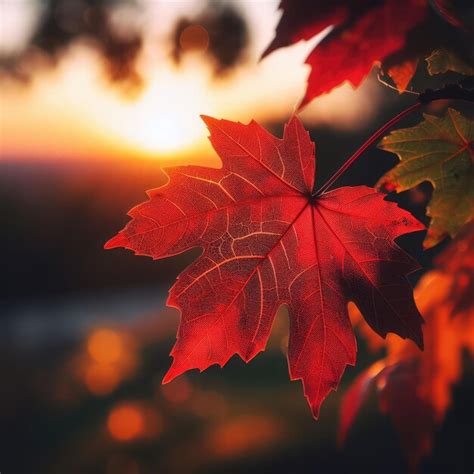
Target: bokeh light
[[126, 422], [111, 357], [100, 379], [194, 38], [105, 346], [245, 435], [130, 421]]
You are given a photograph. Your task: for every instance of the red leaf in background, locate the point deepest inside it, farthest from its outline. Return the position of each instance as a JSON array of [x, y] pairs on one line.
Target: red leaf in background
[[414, 388], [365, 32], [266, 242], [403, 73]]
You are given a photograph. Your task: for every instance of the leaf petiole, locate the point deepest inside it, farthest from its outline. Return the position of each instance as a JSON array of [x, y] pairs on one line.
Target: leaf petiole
[[448, 92], [373, 138]]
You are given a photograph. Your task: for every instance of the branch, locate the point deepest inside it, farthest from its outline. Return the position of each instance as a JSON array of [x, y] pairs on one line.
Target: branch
[[449, 92]]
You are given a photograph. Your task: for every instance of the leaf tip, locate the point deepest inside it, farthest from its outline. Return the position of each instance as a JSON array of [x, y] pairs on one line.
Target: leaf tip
[[315, 412], [169, 377], [115, 242], [208, 120]]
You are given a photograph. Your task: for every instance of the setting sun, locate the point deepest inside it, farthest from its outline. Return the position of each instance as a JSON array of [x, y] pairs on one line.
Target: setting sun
[[167, 114]]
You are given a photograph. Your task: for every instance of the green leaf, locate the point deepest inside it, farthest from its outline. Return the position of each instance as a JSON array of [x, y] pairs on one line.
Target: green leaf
[[442, 60], [439, 150]]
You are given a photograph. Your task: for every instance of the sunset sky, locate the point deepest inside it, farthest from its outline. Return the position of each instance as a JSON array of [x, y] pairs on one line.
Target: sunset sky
[[73, 112]]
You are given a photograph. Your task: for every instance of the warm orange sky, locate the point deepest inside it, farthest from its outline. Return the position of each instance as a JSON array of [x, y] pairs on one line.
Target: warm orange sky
[[72, 112]]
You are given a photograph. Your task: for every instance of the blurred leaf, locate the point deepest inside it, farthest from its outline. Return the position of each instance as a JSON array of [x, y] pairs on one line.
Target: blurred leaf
[[414, 388], [364, 33], [438, 150], [458, 261], [402, 73], [394, 35], [443, 60]]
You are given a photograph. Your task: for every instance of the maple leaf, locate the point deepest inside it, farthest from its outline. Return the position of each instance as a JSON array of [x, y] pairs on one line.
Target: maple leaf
[[413, 388], [439, 150], [364, 33], [267, 242]]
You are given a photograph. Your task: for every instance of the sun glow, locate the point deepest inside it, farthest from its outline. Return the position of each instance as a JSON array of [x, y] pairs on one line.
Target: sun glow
[[166, 114], [79, 117]]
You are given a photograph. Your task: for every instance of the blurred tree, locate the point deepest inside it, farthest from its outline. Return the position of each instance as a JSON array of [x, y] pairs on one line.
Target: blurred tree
[[100, 23]]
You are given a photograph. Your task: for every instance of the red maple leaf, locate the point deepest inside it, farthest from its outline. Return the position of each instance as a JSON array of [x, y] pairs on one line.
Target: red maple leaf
[[268, 241], [364, 33]]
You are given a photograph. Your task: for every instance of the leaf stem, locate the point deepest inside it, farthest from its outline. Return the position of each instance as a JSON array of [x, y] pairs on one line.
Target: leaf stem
[[463, 90], [381, 131]]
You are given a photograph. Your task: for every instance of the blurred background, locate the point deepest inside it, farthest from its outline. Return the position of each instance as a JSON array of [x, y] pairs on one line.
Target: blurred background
[[97, 96]]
